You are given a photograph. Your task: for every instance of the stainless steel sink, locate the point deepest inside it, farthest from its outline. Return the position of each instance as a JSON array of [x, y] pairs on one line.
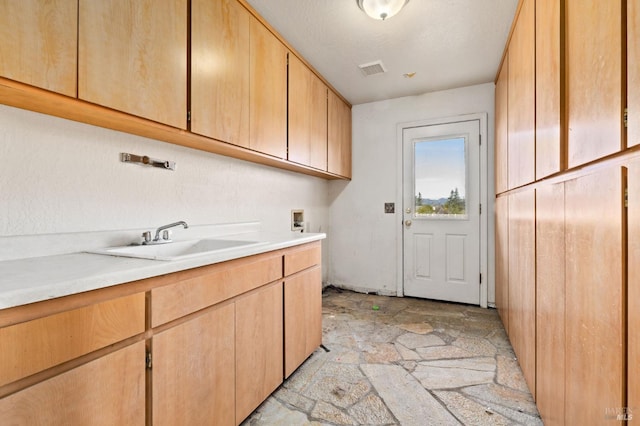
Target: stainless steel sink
[[177, 250]]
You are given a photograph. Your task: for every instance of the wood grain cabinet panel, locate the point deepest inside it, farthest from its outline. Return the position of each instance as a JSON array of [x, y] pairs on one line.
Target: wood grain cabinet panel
[[267, 92], [595, 338], [522, 282], [633, 288], [220, 70], [593, 79], [107, 391], [307, 116], [339, 137], [502, 130], [303, 257], [36, 345], [38, 43], [548, 148], [216, 284], [502, 258], [133, 57], [303, 317], [521, 94], [633, 72], [193, 371], [550, 303], [259, 347]]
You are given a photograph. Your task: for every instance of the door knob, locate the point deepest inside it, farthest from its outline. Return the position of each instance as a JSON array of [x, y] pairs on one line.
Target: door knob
[[407, 223]]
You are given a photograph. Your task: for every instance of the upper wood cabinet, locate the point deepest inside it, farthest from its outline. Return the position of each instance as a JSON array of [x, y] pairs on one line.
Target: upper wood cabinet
[[307, 116], [38, 43], [633, 72], [502, 131], [593, 79], [220, 70], [133, 57], [339, 137], [268, 92], [548, 147], [521, 95]]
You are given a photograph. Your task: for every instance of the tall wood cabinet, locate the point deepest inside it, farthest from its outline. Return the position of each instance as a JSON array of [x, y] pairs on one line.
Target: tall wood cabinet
[[570, 310], [267, 92], [220, 70], [39, 43], [307, 108], [120, 47]]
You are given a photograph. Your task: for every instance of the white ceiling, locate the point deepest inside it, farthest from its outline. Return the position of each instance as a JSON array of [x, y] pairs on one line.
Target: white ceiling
[[447, 43]]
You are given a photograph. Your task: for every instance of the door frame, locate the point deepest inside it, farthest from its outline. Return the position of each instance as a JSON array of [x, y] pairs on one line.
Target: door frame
[[484, 199]]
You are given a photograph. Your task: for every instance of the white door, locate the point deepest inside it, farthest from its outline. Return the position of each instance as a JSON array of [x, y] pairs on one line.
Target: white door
[[441, 211]]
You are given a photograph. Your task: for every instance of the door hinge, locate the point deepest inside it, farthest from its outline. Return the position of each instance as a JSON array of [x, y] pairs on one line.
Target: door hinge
[[480, 278], [625, 117], [626, 197], [480, 209], [480, 139], [147, 360]]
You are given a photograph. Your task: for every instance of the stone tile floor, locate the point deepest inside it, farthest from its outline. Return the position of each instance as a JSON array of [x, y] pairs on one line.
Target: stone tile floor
[[410, 362]]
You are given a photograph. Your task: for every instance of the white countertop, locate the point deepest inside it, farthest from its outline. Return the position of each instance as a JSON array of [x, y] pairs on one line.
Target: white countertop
[[35, 279]]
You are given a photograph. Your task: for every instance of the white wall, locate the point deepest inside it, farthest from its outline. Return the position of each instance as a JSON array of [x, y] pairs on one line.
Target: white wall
[[362, 249], [59, 176]]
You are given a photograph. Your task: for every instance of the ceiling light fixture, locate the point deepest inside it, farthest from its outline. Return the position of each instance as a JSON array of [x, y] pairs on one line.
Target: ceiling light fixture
[[381, 9]]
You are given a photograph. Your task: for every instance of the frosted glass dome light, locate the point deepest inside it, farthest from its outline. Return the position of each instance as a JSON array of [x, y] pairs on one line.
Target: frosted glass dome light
[[381, 9]]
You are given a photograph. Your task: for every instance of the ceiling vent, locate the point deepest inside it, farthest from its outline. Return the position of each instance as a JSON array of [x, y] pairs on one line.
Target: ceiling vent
[[372, 68]]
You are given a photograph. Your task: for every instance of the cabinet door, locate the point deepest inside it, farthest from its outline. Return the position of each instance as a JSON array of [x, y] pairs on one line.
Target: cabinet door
[[193, 372], [594, 295], [220, 70], [550, 303], [548, 148], [268, 92], [259, 348], [307, 116], [521, 123], [633, 288], [107, 391], [594, 79], [502, 131], [633, 72], [302, 317], [339, 137], [522, 282], [502, 259], [133, 57], [38, 43]]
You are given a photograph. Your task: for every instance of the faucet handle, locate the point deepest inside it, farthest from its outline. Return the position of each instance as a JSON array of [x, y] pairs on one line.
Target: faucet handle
[[146, 236], [166, 235]]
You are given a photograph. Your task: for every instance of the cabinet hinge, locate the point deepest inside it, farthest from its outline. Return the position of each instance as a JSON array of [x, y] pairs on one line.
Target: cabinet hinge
[[625, 117], [188, 116], [626, 197], [147, 360]]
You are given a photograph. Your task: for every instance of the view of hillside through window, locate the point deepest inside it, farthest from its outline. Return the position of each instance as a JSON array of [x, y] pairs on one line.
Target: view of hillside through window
[[440, 178]]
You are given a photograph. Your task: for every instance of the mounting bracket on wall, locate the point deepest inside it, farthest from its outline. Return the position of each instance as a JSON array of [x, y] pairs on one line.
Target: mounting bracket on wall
[[147, 161]]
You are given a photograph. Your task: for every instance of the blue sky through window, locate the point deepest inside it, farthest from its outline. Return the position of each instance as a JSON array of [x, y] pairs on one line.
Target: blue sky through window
[[440, 167]]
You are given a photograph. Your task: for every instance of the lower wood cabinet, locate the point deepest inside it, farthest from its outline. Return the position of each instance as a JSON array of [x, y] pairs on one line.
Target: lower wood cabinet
[[259, 348], [107, 391], [193, 370], [198, 347]]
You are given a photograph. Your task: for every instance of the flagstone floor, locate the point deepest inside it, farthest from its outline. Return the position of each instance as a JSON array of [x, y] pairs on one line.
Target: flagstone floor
[[409, 362]]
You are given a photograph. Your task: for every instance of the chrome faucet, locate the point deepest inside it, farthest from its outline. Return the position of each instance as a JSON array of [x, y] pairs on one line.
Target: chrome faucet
[[166, 237]]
